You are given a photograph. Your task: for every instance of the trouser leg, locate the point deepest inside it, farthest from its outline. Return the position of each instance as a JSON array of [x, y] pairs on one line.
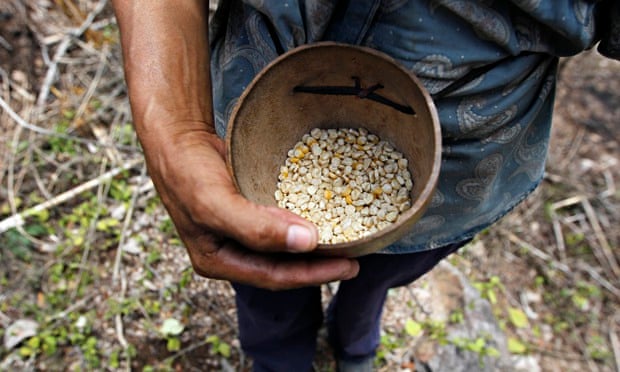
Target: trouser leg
[[278, 329], [354, 315]]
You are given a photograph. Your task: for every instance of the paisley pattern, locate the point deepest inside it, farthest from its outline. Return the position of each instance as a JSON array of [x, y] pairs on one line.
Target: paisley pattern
[[315, 11], [487, 22], [438, 199], [528, 156], [477, 125], [479, 187], [495, 128], [437, 72], [485, 217], [504, 135], [527, 5]]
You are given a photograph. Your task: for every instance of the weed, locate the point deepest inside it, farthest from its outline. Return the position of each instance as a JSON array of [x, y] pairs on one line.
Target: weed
[[488, 289], [218, 346]]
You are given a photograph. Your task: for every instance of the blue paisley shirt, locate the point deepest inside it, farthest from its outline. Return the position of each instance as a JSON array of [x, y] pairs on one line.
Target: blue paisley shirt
[[496, 128]]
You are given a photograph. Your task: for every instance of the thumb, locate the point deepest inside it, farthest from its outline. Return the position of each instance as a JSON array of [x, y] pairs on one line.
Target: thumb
[[264, 228]]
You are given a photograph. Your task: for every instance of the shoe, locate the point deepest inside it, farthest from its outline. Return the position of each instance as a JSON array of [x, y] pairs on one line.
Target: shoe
[[364, 365]]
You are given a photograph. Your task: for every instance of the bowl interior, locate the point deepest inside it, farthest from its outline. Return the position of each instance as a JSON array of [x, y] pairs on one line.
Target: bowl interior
[[272, 115]]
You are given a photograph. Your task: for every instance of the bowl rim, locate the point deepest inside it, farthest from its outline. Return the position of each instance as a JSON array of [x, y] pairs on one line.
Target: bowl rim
[[425, 195]]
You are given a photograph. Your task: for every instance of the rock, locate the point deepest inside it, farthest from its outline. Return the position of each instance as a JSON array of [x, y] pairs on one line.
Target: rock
[[451, 292]]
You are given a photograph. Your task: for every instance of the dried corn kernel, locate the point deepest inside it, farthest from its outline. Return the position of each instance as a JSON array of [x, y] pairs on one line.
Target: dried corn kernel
[[353, 185]]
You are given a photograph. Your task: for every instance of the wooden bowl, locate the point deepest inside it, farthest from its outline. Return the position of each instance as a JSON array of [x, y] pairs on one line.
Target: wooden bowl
[[330, 85]]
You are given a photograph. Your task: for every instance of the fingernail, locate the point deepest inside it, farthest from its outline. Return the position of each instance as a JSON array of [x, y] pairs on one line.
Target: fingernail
[[299, 238]]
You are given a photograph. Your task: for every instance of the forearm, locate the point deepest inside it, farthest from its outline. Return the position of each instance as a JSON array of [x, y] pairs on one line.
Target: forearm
[[166, 56]]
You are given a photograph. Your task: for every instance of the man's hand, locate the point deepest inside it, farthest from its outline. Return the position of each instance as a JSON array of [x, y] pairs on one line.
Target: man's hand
[[227, 237], [216, 223]]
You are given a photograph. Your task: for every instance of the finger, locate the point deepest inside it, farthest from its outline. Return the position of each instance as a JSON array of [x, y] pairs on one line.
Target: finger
[[260, 227], [274, 272]]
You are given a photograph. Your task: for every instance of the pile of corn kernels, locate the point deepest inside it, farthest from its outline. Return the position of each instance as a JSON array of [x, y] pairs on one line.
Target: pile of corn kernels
[[348, 182]]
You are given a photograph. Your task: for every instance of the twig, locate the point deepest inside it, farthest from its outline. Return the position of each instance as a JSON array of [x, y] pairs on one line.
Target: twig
[[8, 82], [537, 252], [11, 184], [184, 351], [63, 314], [24, 124], [574, 146], [615, 343], [18, 219], [101, 191], [611, 185], [600, 236], [39, 182], [567, 202], [51, 71], [597, 277], [560, 266], [11, 173], [93, 85], [118, 323], [103, 137], [613, 340], [123, 237], [5, 44], [62, 48], [559, 238]]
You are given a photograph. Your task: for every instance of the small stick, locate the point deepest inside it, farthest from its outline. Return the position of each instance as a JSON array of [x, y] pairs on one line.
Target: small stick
[[597, 277], [118, 323], [18, 219], [559, 238], [186, 350], [103, 55], [567, 202], [6, 44], [62, 49], [615, 344], [51, 71], [611, 185], [560, 266], [600, 236], [126, 222], [537, 252], [24, 124], [83, 301]]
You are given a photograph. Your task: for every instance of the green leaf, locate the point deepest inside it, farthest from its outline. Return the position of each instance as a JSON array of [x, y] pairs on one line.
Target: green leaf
[[517, 317], [174, 344], [493, 352], [478, 345], [25, 351], [224, 349], [34, 343], [413, 328], [106, 223], [491, 296], [171, 327], [515, 346]]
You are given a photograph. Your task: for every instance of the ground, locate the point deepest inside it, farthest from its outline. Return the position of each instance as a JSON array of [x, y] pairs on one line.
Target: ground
[[98, 267]]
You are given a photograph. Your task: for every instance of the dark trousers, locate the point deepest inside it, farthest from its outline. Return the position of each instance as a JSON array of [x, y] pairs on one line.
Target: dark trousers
[[279, 329]]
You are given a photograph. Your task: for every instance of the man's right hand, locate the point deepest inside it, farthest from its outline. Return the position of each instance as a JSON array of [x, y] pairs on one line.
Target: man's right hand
[[227, 236], [165, 48]]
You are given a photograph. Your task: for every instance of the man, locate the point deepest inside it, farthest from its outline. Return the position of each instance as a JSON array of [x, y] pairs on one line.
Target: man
[[495, 135]]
